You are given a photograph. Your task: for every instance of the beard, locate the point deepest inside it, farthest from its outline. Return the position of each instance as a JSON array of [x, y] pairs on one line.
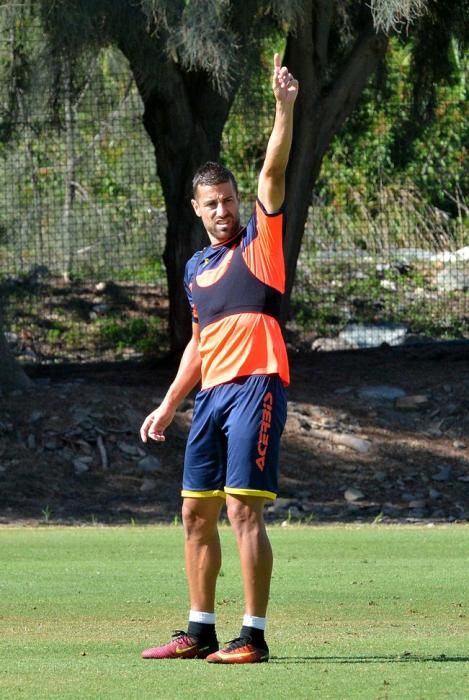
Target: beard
[[226, 229]]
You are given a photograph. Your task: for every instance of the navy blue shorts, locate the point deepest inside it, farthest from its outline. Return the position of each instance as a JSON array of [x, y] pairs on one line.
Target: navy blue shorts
[[234, 441]]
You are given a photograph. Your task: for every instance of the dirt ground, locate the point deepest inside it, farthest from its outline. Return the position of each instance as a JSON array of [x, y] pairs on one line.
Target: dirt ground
[[376, 435]]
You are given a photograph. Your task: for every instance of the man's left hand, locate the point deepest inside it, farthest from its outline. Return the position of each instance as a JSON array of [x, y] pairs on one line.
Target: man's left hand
[[284, 85]]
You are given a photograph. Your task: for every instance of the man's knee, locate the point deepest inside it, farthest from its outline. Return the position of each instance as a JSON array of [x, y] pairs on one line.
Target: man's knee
[[245, 513], [199, 517]]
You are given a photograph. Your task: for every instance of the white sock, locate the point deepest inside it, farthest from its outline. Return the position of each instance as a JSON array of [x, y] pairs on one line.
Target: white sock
[[253, 621], [203, 617]]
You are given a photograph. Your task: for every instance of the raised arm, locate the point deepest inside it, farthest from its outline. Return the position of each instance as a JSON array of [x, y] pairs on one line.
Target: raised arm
[[271, 186]]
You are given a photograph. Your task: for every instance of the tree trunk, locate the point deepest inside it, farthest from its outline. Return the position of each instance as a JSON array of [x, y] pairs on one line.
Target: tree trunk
[[319, 113], [11, 374], [184, 117], [183, 141]]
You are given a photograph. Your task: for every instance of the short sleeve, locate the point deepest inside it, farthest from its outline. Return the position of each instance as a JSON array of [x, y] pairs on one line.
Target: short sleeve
[[189, 275], [263, 246]]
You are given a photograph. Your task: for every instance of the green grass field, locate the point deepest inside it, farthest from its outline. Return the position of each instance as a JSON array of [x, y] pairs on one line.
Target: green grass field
[[356, 612]]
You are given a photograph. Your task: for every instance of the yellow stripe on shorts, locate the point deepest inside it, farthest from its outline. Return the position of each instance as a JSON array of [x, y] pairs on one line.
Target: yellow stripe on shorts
[[251, 492], [215, 493]]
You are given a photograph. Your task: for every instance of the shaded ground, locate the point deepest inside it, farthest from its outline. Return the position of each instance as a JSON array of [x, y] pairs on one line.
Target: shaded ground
[[69, 448]]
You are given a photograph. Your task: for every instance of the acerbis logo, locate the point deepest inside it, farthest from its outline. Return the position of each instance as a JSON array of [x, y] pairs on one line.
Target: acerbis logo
[[266, 422]]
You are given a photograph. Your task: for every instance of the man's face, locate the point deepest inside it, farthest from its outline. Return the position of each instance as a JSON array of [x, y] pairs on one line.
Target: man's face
[[218, 207]]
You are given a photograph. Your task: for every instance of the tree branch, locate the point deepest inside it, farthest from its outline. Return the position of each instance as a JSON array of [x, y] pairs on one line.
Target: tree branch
[[368, 51], [322, 22]]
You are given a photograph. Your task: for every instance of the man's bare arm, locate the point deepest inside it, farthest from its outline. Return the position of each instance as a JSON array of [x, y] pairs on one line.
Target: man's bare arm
[[271, 186], [188, 375]]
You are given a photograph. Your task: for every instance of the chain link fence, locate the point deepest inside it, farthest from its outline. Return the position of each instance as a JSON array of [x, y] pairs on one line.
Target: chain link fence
[[82, 229]]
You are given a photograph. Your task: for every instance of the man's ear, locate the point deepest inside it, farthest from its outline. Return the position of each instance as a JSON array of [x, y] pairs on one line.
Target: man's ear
[[195, 206]]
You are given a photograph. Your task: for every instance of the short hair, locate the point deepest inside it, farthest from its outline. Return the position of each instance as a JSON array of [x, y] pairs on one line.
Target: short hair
[[211, 173]]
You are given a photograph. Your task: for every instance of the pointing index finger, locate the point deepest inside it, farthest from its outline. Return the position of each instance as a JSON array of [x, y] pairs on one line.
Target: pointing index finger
[[277, 61]]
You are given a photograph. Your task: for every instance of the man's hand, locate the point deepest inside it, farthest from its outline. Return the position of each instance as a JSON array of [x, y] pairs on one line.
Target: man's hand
[[156, 423], [284, 85]]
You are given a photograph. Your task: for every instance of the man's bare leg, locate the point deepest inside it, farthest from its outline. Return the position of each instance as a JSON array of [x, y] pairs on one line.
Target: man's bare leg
[[203, 560], [202, 550], [246, 515]]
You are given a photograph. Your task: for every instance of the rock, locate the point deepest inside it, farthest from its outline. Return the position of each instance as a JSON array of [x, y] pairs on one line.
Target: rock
[[26, 356], [381, 268], [148, 485], [372, 336], [413, 402], [131, 354], [417, 513], [355, 443], [101, 309], [343, 439], [434, 494], [462, 253], [349, 468], [444, 473], [408, 497], [51, 444], [464, 479], [132, 419], [453, 409], [80, 466], [332, 344], [453, 279], [353, 494], [67, 454], [31, 441], [36, 416], [130, 450], [381, 392], [11, 338], [418, 504], [149, 464], [80, 415], [389, 285], [281, 504], [459, 445]]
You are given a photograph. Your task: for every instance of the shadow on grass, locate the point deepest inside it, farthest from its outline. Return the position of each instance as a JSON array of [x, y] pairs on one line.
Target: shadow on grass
[[397, 659]]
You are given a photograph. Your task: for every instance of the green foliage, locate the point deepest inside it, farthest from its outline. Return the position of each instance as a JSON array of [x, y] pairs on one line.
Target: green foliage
[[117, 216], [144, 335], [377, 149]]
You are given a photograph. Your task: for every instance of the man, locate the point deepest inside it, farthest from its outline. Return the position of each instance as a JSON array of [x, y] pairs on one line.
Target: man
[[237, 351]]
